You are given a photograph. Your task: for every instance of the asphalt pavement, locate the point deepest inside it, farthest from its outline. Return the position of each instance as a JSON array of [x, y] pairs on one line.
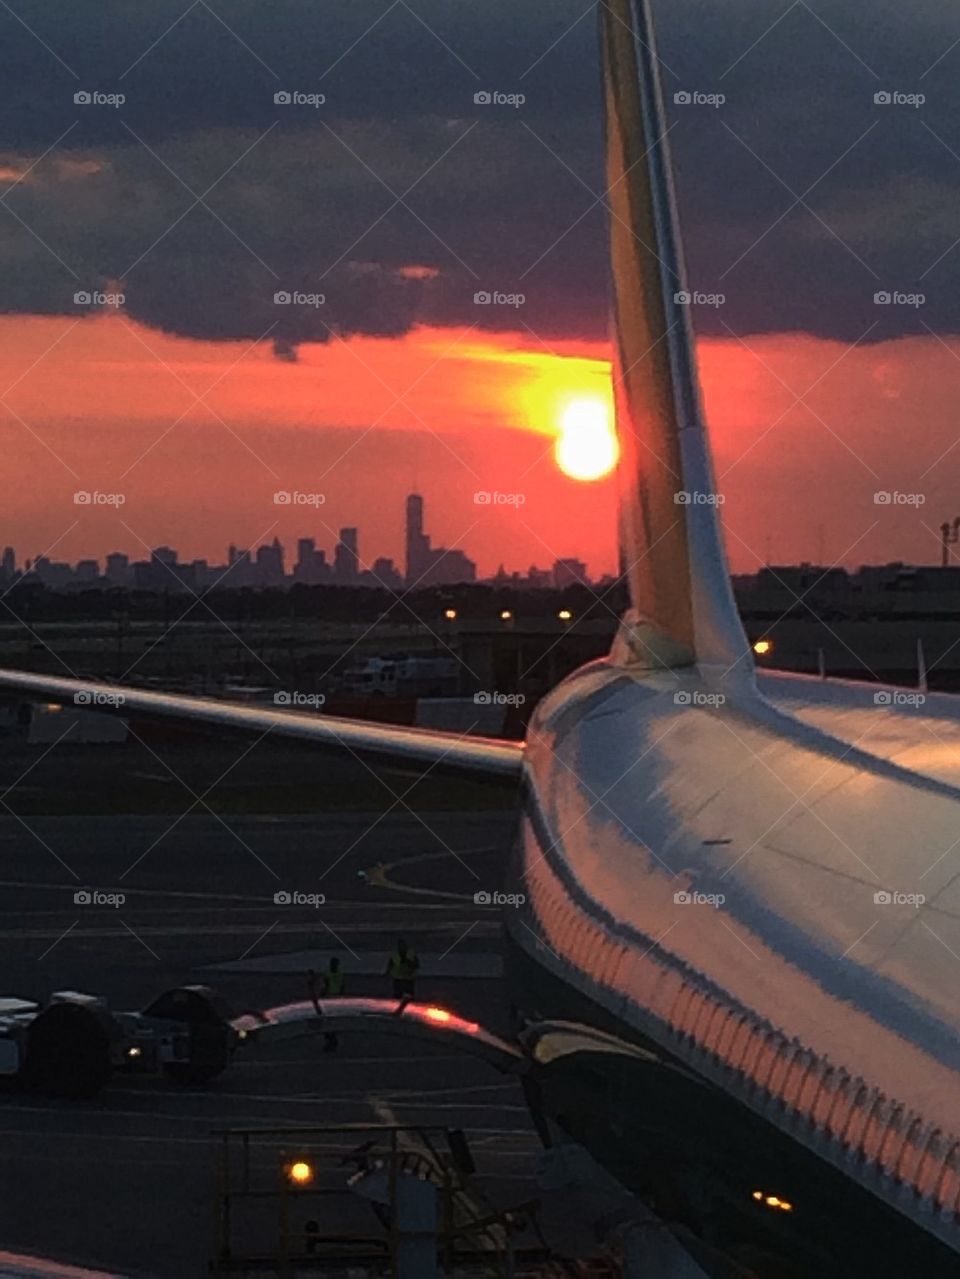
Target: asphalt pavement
[[126, 905]]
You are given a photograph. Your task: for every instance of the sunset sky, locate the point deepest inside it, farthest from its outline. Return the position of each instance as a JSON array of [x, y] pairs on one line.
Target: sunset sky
[[399, 199]]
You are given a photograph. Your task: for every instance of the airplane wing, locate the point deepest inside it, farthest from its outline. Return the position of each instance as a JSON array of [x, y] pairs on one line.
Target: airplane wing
[[445, 752]]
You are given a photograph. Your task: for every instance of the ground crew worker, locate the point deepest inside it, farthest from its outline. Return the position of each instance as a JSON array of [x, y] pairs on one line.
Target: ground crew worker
[[332, 987], [402, 968], [313, 991]]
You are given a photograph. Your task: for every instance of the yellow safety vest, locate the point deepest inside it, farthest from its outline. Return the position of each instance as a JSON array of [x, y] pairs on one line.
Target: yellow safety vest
[[403, 969], [334, 984]]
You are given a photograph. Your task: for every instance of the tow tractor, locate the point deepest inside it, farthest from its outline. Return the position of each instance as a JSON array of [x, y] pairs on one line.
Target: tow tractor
[[71, 1046]]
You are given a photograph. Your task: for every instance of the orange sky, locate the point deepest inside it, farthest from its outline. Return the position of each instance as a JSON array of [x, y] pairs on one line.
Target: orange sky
[[103, 404]]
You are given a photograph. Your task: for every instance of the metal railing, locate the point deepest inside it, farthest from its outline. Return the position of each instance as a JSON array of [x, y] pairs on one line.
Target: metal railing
[[375, 1200]]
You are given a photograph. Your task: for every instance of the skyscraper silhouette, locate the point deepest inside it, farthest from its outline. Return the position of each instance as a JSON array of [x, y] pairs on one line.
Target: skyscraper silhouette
[[346, 558], [432, 565], [418, 544]]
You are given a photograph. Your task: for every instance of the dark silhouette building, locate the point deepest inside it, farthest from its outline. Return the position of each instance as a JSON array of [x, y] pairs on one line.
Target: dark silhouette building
[[346, 558], [432, 566]]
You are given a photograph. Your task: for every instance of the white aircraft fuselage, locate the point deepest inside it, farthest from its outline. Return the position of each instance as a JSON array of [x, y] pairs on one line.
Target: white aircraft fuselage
[[711, 881]]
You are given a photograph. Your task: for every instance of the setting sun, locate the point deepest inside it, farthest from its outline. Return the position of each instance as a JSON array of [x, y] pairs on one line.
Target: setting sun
[[587, 447]]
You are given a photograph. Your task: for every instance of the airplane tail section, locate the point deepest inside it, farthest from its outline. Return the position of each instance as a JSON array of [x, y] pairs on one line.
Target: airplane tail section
[[671, 541]]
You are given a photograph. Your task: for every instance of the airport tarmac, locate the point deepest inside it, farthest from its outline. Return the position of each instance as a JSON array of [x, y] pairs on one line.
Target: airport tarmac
[[125, 1182]]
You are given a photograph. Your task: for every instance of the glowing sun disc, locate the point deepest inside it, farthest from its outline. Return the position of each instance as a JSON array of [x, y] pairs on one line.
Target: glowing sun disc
[[586, 448]]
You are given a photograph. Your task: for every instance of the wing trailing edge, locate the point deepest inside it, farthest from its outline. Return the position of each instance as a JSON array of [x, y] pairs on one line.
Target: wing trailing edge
[[389, 744]]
